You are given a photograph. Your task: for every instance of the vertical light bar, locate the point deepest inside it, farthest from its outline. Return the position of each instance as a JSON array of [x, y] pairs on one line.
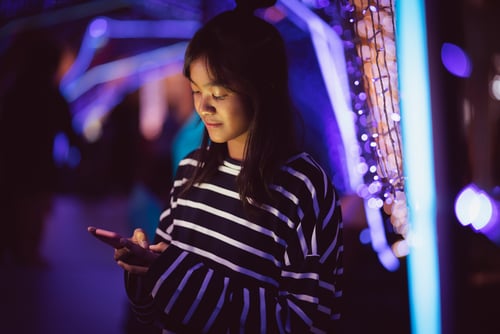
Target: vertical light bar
[[418, 163]]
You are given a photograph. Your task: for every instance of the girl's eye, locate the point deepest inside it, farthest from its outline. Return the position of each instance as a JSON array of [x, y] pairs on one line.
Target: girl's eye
[[219, 97], [195, 92]]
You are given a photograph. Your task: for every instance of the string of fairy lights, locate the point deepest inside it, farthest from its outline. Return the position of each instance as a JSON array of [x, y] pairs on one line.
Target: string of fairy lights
[[367, 28], [376, 47]]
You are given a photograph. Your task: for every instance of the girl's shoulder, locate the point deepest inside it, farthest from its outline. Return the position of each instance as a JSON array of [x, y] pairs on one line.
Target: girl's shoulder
[[191, 157], [187, 164], [303, 162], [304, 168], [305, 178]]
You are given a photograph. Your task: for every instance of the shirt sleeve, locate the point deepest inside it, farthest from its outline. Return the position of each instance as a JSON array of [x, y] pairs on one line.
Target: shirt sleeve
[[310, 289]]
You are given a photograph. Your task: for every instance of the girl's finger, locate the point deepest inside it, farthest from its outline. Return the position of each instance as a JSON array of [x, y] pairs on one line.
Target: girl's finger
[[139, 270]]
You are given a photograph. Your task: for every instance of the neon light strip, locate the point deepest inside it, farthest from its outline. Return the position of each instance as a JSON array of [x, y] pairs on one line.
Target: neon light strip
[[378, 239], [55, 16], [115, 29], [423, 267], [104, 102], [183, 29], [330, 52], [123, 68]]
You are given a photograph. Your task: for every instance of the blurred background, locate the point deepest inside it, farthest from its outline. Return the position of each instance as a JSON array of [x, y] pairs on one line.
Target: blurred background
[[95, 114]]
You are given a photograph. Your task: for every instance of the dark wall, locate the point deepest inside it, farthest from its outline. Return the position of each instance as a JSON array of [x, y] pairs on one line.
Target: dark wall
[[465, 254]]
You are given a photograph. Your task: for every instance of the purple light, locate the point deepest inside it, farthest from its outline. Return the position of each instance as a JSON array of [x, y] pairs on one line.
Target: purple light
[[456, 60], [474, 207], [98, 28], [378, 239], [74, 157], [364, 236], [60, 149], [63, 153]]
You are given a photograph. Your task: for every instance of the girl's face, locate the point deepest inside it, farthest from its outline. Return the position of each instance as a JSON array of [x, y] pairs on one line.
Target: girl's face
[[222, 110]]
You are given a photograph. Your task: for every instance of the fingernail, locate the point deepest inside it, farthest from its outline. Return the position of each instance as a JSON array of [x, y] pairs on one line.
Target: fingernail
[[140, 236]]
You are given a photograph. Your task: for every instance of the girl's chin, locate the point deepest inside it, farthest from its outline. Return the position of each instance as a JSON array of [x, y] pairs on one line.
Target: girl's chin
[[217, 140]]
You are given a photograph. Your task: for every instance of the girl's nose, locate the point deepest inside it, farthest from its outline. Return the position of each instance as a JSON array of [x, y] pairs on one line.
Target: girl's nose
[[205, 106]]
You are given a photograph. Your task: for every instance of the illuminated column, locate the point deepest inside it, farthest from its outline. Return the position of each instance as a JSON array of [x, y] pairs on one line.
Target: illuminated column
[[379, 125], [423, 266], [398, 130]]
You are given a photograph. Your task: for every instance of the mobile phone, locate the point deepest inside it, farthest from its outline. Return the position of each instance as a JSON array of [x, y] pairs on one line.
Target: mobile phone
[[109, 237]]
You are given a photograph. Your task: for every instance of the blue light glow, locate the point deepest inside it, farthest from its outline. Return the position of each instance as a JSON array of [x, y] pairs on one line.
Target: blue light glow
[[98, 28], [378, 239], [456, 60], [101, 29], [63, 153], [364, 236], [56, 16], [423, 266], [330, 52], [124, 68], [123, 75], [60, 150], [135, 71]]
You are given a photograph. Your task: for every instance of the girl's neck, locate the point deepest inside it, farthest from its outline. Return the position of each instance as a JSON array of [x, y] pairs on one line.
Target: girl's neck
[[236, 151]]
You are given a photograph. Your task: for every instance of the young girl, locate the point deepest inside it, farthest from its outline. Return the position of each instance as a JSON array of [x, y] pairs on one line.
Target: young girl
[[251, 240]]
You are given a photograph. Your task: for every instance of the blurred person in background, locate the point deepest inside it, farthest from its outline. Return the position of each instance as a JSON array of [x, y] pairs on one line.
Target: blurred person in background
[[32, 114]]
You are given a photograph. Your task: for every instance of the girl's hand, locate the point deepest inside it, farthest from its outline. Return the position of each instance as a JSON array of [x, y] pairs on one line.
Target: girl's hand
[[137, 256], [159, 247]]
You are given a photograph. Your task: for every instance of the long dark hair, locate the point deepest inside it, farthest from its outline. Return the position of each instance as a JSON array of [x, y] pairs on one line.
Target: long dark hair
[[248, 54]]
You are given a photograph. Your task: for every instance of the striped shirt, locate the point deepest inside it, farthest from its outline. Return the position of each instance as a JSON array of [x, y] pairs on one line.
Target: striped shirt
[[276, 271]]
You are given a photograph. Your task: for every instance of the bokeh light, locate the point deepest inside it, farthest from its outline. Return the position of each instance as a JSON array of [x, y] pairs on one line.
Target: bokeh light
[[474, 207], [456, 60]]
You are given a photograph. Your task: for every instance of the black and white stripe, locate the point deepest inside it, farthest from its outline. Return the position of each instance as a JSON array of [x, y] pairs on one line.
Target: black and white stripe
[[225, 272]]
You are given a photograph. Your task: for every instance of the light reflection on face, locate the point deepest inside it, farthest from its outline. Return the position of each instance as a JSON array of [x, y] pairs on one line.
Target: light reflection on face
[[222, 110]]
